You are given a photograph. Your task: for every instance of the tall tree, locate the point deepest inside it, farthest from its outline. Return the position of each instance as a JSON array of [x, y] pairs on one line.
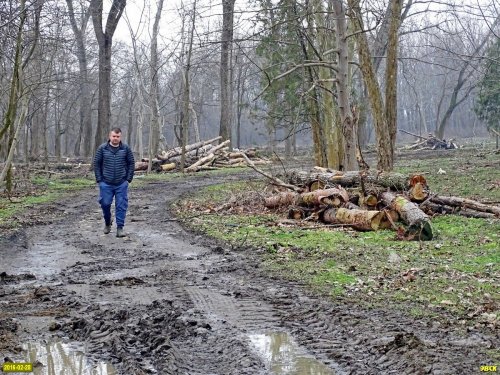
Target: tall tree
[[383, 112], [105, 40], [225, 68], [18, 95], [83, 142], [154, 130]]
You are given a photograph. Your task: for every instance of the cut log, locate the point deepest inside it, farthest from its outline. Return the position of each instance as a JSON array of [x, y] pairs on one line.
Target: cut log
[[298, 213], [165, 155], [191, 155], [431, 208], [419, 225], [141, 166], [368, 201], [418, 192], [391, 180], [359, 219], [331, 197], [466, 203], [285, 198], [204, 160], [168, 167], [316, 185]]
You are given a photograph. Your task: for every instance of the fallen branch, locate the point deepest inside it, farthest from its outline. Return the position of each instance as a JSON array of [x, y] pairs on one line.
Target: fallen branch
[[275, 181]]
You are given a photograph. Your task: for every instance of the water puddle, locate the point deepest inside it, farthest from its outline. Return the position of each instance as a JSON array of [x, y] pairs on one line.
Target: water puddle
[[285, 357], [58, 358]]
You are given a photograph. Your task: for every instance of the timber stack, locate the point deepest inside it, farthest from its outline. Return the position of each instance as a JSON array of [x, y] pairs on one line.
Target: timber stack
[[201, 156], [371, 200], [430, 142]]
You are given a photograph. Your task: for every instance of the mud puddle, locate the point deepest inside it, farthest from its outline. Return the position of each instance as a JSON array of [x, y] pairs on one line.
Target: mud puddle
[[285, 357], [58, 358]]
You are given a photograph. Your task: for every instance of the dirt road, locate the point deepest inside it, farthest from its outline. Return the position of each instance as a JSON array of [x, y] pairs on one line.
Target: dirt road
[[166, 301]]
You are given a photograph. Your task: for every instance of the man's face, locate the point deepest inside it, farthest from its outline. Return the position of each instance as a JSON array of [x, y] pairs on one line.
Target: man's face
[[114, 138]]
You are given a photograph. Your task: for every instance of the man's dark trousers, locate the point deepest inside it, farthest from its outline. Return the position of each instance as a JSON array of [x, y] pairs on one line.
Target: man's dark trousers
[[120, 193]]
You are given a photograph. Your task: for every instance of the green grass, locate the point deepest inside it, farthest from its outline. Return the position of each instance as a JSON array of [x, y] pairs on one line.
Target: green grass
[[453, 277], [469, 172], [45, 190]]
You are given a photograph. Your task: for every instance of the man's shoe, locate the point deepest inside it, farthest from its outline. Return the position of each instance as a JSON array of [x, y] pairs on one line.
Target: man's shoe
[[120, 233], [107, 229]]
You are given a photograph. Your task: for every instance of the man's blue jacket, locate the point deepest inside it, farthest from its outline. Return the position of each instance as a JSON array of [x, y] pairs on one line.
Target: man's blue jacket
[[114, 165]]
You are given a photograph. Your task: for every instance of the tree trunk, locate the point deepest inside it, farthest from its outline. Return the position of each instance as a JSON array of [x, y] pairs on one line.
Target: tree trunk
[[385, 149], [154, 128], [225, 68], [349, 126], [105, 41], [391, 73], [84, 135], [187, 92]]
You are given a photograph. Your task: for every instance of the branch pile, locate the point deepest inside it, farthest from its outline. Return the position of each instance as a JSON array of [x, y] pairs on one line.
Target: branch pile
[[370, 200], [204, 155], [430, 143]]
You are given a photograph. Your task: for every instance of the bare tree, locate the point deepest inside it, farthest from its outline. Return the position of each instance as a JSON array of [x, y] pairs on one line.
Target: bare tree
[[18, 95], [154, 130], [187, 89], [225, 68], [79, 28], [383, 113], [105, 41]]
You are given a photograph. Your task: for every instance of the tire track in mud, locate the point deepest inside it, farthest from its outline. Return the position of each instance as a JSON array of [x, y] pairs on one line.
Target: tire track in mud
[[170, 334]]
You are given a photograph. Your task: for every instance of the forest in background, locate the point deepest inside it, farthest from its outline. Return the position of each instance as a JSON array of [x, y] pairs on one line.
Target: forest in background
[[330, 76]]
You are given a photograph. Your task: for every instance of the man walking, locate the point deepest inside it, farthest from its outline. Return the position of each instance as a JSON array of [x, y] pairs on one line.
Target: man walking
[[114, 170]]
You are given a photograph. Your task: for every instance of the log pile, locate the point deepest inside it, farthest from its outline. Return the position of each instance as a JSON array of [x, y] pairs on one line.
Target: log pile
[[368, 200], [430, 143], [205, 155]]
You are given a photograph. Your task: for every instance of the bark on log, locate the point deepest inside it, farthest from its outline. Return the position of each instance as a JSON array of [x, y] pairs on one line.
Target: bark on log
[[431, 208], [391, 180], [168, 167], [193, 154], [141, 166], [419, 225], [285, 198], [330, 197], [466, 203], [359, 219], [205, 160], [165, 155]]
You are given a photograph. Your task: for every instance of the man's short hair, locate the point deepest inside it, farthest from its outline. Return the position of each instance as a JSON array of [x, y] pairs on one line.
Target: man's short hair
[[116, 130]]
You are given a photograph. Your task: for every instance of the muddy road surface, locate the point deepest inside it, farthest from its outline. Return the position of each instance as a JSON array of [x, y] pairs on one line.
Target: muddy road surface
[[166, 301]]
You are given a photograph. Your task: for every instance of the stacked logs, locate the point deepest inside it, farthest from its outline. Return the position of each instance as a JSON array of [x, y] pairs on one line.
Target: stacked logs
[[430, 142], [205, 155], [371, 200]]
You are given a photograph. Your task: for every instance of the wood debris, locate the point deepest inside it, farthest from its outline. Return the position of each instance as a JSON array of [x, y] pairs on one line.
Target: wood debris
[[205, 155], [430, 142], [369, 200]]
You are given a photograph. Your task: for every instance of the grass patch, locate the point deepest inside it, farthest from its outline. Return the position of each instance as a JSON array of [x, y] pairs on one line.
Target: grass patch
[[469, 173], [43, 190]]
